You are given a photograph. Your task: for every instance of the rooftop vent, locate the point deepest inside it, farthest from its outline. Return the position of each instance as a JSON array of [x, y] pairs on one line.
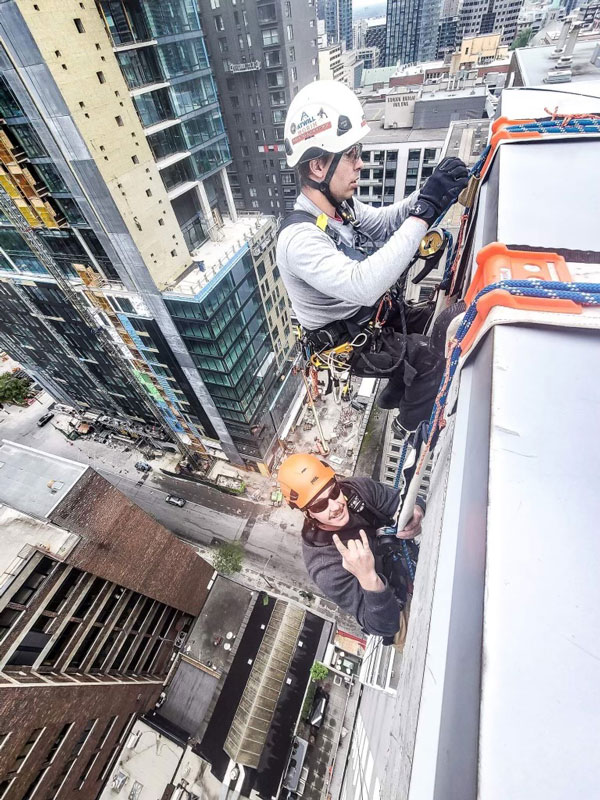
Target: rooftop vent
[[560, 44]]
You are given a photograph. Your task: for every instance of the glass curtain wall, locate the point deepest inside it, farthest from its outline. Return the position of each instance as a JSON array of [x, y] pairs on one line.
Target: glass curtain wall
[[227, 336]]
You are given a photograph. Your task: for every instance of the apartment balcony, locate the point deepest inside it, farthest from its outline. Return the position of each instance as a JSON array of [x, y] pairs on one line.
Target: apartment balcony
[[121, 48]]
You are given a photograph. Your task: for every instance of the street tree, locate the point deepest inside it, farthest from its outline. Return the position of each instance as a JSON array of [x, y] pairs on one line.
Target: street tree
[[228, 558], [522, 38], [318, 672], [13, 390]]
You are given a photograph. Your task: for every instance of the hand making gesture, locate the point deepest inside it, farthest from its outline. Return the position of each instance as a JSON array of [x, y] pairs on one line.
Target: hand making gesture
[[358, 559]]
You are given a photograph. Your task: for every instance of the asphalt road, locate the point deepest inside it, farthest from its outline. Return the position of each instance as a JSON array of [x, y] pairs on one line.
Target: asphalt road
[[196, 521], [207, 515]]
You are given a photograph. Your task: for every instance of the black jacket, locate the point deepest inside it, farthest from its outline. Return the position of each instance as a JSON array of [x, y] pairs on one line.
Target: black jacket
[[377, 613]]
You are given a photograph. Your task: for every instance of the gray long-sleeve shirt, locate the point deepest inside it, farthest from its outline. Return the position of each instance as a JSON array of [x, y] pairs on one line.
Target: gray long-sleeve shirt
[[323, 283]]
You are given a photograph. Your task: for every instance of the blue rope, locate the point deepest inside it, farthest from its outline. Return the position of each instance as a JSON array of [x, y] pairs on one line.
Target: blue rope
[[401, 460], [450, 254], [585, 294], [584, 125], [408, 560]]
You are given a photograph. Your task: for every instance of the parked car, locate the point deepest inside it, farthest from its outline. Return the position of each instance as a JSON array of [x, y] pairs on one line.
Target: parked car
[[319, 707], [174, 500], [141, 466], [44, 419]]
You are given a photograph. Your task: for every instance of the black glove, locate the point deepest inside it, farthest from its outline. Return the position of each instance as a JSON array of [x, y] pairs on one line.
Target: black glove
[[440, 190]]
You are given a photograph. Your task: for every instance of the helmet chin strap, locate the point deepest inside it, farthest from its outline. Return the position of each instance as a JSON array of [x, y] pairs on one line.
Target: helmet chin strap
[[340, 206], [343, 208]]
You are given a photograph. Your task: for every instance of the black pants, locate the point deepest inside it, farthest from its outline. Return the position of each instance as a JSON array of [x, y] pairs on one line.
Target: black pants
[[413, 363]]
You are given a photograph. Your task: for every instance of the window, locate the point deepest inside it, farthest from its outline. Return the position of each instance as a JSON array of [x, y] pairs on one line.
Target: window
[[180, 58], [219, 23], [267, 13], [119, 121], [79, 25], [100, 76], [279, 115], [277, 98], [292, 53], [28, 747], [215, 4], [294, 74], [28, 140], [135, 159], [270, 37], [290, 32], [275, 79]]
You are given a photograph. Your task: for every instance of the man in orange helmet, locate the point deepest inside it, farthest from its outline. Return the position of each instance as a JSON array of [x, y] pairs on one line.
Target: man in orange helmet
[[353, 566]]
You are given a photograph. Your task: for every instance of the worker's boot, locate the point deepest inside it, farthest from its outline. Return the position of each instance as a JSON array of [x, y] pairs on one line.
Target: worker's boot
[[392, 393], [417, 402]]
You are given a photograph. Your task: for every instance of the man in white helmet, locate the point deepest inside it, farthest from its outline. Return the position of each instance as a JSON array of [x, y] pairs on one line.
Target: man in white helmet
[[338, 256]]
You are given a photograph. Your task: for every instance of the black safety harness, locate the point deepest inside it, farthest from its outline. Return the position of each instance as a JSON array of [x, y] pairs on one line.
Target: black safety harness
[[388, 550], [339, 331]]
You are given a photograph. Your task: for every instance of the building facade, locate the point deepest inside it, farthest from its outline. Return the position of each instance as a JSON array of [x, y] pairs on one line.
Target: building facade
[[338, 22], [375, 34], [261, 55], [411, 31], [369, 56], [95, 597], [394, 169], [478, 17], [115, 159]]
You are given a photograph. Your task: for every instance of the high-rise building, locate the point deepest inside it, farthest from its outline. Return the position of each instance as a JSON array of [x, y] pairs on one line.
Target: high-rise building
[[338, 22], [95, 598], [375, 34], [490, 16], [262, 53], [448, 36], [369, 56], [411, 31], [359, 31], [131, 286]]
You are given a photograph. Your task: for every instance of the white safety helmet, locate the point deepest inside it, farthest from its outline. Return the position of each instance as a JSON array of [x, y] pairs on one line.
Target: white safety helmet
[[324, 117]]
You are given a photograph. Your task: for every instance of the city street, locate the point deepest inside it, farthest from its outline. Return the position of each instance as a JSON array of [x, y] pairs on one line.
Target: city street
[[270, 536]]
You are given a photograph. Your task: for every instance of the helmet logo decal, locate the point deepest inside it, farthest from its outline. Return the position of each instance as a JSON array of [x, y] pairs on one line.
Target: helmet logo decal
[[293, 128], [313, 130], [322, 114]]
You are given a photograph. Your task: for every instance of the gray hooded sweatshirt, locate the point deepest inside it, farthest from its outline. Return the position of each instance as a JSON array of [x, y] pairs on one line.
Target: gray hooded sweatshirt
[[323, 283], [377, 613]]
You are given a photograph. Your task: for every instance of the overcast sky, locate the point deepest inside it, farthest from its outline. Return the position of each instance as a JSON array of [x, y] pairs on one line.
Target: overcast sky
[[368, 8]]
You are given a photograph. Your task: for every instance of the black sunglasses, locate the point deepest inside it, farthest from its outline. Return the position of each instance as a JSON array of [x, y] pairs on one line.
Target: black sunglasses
[[355, 152], [317, 506]]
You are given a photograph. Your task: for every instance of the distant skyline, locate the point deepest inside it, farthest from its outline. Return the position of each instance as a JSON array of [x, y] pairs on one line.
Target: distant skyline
[[363, 9]]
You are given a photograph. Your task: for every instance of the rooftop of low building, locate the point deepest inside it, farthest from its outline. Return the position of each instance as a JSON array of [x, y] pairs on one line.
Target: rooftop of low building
[[35, 482], [534, 63], [212, 258]]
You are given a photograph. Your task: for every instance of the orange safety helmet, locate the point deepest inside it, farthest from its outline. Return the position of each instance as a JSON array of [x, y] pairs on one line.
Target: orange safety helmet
[[302, 477]]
